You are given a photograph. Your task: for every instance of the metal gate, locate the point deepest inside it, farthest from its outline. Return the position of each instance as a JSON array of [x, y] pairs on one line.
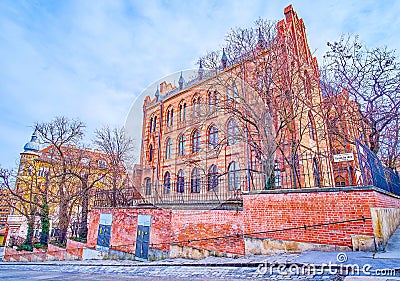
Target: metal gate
[[104, 232], [143, 237]]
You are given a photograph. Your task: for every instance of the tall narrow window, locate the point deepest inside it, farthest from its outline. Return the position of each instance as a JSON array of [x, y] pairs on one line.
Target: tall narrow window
[[147, 184], [168, 117], [181, 149], [154, 123], [317, 177], [196, 142], [194, 107], [151, 152], [277, 175], [213, 137], [233, 176], [235, 92], [210, 101], [311, 126], [180, 188], [151, 125], [213, 178], [228, 93], [195, 181], [168, 149], [233, 132], [307, 83], [167, 182]]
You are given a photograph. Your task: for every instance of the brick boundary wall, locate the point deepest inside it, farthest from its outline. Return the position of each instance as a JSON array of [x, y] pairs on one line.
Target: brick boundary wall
[[296, 208], [192, 225], [124, 228], [267, 211]]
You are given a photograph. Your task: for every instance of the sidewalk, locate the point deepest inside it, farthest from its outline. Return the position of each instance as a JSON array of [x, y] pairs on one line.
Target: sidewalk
[[392, 249], [326, 266], [308, 258]]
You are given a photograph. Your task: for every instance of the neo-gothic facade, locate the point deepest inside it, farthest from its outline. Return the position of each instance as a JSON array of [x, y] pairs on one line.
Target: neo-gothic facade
[[235, 130]]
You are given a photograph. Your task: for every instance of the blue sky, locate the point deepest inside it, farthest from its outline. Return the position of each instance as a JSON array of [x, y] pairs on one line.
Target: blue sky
[[92, 59]]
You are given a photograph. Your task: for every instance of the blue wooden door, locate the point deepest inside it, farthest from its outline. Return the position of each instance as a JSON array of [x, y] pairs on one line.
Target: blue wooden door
[[143, 237], [104, 232]]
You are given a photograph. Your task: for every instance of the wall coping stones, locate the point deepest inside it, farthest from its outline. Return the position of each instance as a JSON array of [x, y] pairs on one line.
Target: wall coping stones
[[322, 189]]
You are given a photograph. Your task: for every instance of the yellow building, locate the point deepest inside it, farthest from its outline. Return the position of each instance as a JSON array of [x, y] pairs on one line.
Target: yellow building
[[42, 177]]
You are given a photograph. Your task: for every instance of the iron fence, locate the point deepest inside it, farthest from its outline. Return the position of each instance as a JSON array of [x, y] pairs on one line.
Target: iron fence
[[337, 168]]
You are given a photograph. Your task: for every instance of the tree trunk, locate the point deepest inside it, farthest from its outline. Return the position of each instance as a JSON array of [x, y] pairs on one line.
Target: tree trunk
[[63, 220], [45, 222], [27, 244], [83, 230]]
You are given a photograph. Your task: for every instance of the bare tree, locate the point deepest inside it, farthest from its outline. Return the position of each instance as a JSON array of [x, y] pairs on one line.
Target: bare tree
[[60, 134], [118, 149], [371, 77], [88, 172], [28, 195], [272, 89]]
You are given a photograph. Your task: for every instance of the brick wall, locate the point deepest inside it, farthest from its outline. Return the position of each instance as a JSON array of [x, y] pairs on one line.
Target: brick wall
[[267, 212], [264, 213], [201, 225], [124, 228]]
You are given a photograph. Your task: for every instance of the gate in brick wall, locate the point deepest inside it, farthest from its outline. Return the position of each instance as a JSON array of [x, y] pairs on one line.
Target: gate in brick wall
[[143, 237], [104, 232]]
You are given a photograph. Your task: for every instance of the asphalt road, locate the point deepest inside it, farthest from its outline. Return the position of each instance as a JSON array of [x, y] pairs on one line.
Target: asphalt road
[[12, 274], [59, 273]]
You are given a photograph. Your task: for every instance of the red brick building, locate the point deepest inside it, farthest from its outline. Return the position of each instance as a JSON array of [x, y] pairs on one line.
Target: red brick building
[[236, 129], [237, 161]]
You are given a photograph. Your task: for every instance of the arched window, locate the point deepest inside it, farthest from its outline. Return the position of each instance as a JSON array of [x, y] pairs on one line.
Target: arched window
[[147, 185], [213, 178], [233, 132], [195, 181], [151, 152], [182, 112], [151, 125], [213, 137], [170, 117], [196, 142], [307, 83], [167, 182], [168, 113], [154, 123], [168, 149], [316, 172], [102, 164], [210, 101], [180, 188], [233, 176], [181, 148], [235, 92], [311, 126], [228, 93], [196, 107]]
